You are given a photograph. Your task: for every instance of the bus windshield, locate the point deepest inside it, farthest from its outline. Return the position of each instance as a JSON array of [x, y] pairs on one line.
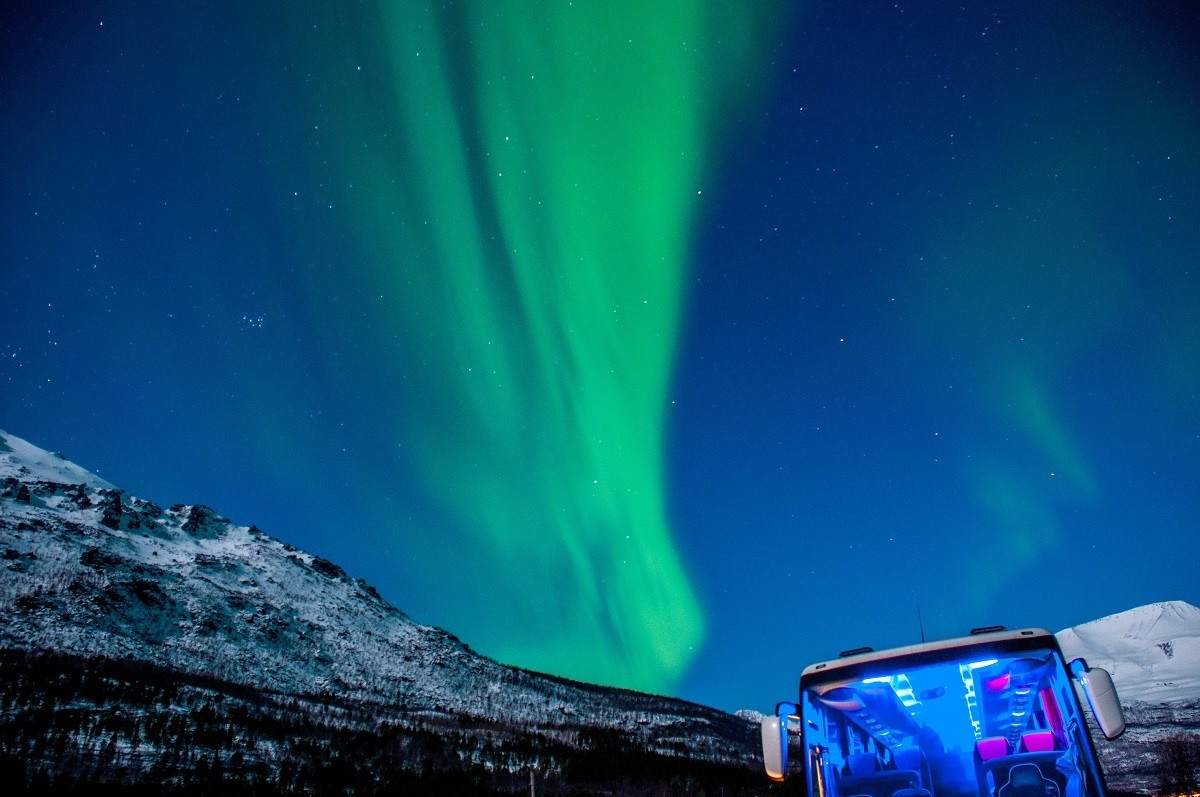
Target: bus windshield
[[971, 721]]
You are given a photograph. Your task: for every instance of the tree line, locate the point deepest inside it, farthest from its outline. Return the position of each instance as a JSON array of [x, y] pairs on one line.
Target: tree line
[[108, 726]]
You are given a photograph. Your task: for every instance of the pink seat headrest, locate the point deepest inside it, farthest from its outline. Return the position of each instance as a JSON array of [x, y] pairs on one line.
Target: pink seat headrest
[[1037, 742], [992, 747]]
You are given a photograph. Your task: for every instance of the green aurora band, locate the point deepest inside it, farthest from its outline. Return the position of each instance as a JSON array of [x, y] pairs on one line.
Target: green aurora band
[[529, 184]]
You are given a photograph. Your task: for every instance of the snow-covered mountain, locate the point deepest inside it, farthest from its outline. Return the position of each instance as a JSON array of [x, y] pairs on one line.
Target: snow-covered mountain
[[1153, 652], [24, 461], [92, 571]]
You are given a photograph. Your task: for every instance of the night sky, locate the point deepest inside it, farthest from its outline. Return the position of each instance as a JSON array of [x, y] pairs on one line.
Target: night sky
[[670, 345]]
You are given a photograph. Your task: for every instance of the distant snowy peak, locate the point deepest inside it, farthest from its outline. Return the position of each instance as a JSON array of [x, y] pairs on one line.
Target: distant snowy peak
[[1153, 652], [1153, 626], [24, 461]]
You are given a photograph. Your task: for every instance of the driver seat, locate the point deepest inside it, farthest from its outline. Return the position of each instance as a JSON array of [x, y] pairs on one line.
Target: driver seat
[[1025, 780]]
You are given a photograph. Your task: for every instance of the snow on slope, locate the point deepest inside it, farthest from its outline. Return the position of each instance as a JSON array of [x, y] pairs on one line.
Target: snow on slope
[[24, 461], [1153, 652], [90, 570]]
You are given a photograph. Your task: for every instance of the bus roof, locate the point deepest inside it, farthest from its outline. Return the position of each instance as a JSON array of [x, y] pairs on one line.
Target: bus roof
[[826, 669]]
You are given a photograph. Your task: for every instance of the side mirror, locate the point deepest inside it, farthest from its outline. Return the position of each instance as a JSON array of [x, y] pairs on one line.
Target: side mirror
[[775, 741], [1101, 697]]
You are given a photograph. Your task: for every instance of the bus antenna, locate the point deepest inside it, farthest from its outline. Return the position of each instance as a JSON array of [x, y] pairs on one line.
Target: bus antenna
[[920, 623]]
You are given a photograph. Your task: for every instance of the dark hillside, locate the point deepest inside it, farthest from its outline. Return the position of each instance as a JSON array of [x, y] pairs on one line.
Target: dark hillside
[[75, 725]]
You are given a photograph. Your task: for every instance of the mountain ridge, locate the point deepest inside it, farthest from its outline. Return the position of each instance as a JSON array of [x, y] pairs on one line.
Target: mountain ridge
[[95, 571]]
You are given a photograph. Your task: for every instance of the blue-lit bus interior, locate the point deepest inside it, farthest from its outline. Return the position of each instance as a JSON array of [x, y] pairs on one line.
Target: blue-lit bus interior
[[980, 725]]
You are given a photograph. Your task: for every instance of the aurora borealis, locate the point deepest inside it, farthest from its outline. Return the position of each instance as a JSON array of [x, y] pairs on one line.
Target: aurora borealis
[[547, 168], [666, 345]]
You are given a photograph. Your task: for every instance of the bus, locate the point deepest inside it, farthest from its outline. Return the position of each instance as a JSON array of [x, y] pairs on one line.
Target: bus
[[994, 714]]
